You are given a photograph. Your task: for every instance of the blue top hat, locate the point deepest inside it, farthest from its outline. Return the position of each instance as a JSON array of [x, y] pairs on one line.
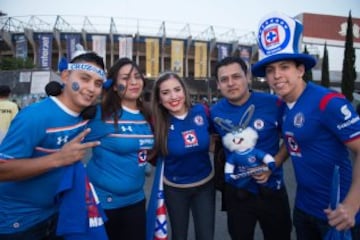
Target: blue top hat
[[279, 38]]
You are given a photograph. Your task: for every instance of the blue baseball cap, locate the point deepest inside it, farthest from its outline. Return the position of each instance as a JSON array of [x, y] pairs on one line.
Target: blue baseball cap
[[279, 38]]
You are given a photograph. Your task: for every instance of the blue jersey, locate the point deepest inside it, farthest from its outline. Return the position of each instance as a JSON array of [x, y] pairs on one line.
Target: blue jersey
[[39, 129], [315, 130], [242, 162], [266, 121], [188, 161], [117, 166]]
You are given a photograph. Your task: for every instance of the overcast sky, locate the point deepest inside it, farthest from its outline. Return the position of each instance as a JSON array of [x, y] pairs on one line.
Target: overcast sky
[[233, 14]]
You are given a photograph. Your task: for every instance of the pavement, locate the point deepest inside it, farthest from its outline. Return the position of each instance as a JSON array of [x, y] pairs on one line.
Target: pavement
[[221, 232]]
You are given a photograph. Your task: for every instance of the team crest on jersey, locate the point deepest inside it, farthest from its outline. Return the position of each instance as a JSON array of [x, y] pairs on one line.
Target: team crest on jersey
[[190, 138], [251, 159], [293, 146], [258, 124], [142, 156], [299, 120], [199, 120]]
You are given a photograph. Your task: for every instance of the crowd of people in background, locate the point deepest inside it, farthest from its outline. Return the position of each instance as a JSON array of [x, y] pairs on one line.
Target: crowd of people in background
[[126, 131]]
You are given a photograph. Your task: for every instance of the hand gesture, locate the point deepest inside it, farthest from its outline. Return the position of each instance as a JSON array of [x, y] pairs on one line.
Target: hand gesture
[[75, 150]]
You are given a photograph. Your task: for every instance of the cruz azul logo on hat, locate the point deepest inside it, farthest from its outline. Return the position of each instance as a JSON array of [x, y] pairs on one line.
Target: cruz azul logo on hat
[[271, 36], [279, 38], [274, 36]]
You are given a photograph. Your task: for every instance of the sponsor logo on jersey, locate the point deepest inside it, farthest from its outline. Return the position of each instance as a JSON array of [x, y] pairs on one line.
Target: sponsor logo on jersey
[[345, 111], [62, 140]]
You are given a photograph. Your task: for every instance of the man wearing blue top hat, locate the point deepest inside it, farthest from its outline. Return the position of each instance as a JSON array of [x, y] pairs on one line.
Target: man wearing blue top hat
[[319, 126]]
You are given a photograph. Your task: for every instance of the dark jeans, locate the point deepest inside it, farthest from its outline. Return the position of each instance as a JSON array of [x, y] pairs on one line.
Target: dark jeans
[[201, 201], [311, 228], [45, 230], [127, 222], [270, 208]]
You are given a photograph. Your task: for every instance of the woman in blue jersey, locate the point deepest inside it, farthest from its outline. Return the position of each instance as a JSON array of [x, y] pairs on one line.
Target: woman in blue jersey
[[319, 126], [182, 137], [117, 166], [42, 139]]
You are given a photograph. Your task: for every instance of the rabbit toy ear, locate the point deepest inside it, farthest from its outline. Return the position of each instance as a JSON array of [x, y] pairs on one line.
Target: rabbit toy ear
[[244, 121], [225, 124], [246, 117]]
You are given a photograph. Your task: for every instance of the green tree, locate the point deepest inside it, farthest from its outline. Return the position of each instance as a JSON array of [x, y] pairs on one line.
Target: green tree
[[325, 80], [348, 72], [11, 63], [308, 74]]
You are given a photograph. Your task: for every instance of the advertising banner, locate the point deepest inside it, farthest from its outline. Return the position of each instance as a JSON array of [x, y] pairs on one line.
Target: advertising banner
[[200, 60], [152, 57], [71, 41], [223, 51], [99, 46], [245, 53], [177, 57], [45, 50], [21, 48], [125, 47]]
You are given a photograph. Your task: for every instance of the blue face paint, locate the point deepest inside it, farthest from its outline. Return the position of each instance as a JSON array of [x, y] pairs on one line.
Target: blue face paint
[[75, 86], [121, 88]]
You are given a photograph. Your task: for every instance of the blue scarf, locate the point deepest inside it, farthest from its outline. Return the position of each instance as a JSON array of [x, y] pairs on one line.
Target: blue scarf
[[80, 214]]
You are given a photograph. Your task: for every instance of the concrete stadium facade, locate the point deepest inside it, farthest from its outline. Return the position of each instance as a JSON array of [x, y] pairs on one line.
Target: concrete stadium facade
[[21, 38]]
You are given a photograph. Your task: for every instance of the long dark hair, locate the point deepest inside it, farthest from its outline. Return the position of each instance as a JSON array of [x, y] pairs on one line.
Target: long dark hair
[[111, 101]]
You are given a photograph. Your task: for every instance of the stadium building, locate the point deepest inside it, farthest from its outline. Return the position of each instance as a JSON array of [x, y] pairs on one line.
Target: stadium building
[[190, 50]]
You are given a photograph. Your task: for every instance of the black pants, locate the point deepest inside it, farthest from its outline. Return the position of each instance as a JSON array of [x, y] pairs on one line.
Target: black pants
[[127, 223], [270, 208], [45, 230]]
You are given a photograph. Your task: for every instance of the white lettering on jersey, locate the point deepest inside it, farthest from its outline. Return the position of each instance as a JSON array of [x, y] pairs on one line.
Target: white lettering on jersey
[[346, 112]]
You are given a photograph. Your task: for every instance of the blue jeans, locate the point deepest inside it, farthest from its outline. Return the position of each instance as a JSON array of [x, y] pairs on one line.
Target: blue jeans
[[311, 228], [200, 201], [45, 230]]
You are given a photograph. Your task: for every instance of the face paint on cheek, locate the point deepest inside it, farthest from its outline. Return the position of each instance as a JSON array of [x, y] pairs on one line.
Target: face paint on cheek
[[75, 86], [121, 87]]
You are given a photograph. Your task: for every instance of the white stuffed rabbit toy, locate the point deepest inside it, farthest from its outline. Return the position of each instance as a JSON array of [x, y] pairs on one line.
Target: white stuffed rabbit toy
[[243, 159]]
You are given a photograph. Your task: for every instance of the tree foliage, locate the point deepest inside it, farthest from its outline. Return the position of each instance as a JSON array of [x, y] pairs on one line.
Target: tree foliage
[[11, 63], [308, 74], [348, 72], [325, 78]]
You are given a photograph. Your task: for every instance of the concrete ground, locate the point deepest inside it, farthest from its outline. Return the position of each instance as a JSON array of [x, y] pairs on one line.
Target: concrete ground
[[220, 224]]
